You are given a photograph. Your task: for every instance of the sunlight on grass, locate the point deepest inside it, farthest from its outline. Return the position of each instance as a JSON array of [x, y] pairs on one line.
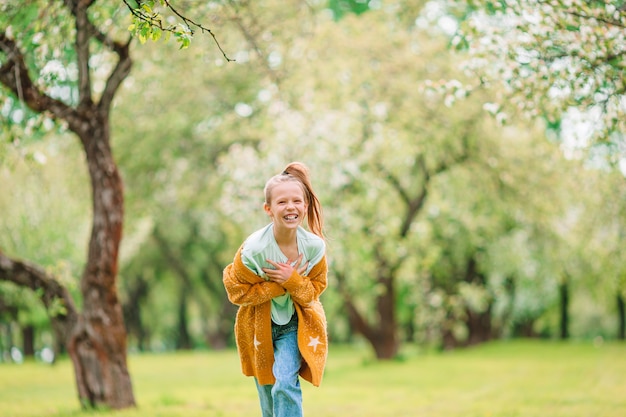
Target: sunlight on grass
[[505, 379]]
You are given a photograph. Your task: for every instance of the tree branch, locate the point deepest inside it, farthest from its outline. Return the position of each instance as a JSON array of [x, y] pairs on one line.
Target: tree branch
[[49, 290], [14, 75], [356, 319], [395, 183], [85, 30], [606, 20], [79, 10], [154, 20], [413, 204], [117, 76], [171, 258], [114, 46], [251, 38]]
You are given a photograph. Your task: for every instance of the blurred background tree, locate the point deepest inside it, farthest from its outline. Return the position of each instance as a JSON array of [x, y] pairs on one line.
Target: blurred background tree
[[560, 60]]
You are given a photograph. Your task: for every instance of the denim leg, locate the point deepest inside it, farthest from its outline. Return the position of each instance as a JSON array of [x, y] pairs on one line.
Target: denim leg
[[265, 397], [286, 392]]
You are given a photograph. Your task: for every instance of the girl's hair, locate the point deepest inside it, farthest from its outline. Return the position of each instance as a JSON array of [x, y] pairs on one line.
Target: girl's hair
[[298, 172]]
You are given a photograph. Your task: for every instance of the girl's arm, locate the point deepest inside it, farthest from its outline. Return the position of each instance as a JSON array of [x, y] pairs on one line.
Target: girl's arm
[[305, 289], [245, 288]]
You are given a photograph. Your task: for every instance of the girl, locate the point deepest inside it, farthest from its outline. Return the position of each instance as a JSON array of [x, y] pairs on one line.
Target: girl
[[276, 279]]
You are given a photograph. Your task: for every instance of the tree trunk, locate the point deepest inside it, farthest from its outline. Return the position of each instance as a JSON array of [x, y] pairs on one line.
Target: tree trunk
[[183, 338], [382, 334], [97, 345], [479, 326], [385, 342], [478, 322], [136, 292], [10, 312], [564, 310], [221, 333], [448, 340], [621, 313], [218, 337], [507, 314], [524, 328], [28, 341], [4, 338], [409, 325]]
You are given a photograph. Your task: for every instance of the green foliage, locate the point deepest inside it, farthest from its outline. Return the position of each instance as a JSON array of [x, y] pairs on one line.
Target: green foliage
[[45, 33], [25, 304], [45, 205], [546, 59], [148, 24], [49, 60], [341, 8], [45, 219], [153, 18]]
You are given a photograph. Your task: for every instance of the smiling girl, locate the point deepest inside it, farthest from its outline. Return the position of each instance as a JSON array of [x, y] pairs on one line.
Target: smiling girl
[[276, 279]]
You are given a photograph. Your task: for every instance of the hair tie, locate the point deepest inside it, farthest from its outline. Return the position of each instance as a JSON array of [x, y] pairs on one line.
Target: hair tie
[[285, 173]]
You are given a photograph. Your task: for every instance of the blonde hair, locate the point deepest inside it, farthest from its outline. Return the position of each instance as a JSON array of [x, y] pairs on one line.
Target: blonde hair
[[298, 172]]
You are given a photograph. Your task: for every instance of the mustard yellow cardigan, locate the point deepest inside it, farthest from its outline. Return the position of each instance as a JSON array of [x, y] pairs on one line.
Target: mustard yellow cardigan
[[253, 328]]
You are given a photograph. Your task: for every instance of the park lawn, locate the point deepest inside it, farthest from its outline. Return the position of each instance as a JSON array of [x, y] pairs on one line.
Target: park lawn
[[502, 379]]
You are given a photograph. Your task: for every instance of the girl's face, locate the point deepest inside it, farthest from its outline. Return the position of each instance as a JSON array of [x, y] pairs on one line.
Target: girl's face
[[287, 206]]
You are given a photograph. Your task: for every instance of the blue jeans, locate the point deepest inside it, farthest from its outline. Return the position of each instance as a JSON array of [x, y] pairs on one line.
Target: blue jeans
[[284, 398]]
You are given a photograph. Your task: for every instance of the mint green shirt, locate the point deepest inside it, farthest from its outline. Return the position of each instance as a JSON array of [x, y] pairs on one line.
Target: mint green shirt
[[261, 245]]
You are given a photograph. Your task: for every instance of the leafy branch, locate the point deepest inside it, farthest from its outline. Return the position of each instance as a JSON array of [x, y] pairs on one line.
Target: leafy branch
[[148, 23]]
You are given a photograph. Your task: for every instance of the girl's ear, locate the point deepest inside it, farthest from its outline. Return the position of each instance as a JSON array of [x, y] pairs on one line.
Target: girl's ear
[[267, 209]]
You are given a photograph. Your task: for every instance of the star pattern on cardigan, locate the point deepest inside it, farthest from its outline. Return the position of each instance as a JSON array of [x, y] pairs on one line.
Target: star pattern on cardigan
[[313, 342]]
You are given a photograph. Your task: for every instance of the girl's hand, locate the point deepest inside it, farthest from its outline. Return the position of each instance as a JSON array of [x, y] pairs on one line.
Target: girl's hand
[[282, 270]]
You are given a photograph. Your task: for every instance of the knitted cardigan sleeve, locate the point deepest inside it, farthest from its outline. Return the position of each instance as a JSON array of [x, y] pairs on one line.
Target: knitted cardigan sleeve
[[312, 334], [245, 288], [305, 290]]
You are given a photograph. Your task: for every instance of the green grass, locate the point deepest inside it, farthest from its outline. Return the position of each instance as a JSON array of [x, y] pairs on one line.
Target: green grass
[[505, 379]]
